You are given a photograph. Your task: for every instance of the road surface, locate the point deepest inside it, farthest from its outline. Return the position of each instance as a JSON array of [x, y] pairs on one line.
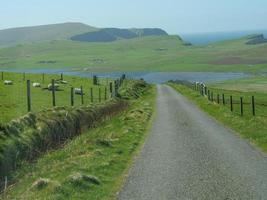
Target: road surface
[[189, 155]]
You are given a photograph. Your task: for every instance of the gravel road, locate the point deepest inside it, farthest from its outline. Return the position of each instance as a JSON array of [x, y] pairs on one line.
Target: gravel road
[[188, 156]]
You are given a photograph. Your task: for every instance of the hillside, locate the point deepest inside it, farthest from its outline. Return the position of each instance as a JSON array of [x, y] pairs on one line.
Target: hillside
[[112, 34], [132, 50], [42, 33]]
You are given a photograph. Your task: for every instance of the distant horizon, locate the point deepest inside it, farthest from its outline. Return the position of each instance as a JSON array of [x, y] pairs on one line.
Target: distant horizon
[[178, 33]]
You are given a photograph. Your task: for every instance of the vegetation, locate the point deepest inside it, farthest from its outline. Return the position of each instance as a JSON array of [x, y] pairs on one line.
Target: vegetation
[[13, 101], [92, 165], [149, 53], [113, 34], [248, 125]]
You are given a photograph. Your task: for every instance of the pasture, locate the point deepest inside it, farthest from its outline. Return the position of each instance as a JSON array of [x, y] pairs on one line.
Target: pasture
[[13, 98]]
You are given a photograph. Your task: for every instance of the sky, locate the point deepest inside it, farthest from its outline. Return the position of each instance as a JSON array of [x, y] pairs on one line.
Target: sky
[[174, 16]]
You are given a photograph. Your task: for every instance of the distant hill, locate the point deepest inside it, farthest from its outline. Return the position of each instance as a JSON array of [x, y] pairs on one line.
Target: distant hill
[[113, 34], [256, 39], [63, 31]]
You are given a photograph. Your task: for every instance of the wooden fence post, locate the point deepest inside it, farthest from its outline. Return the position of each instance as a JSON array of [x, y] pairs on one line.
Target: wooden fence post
[[218, 98], [43, 77], [105, 93], [53, 93], [99, 94], [61, 76], [241, 106], [231, 103], [209, 95], [92, 95], [82, 95], [2, 75], [212, 96], [29, 95], [72, 96], [223, 99], [253, 105]]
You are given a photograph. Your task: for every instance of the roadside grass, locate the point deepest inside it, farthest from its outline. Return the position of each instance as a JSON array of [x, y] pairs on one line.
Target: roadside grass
[[13, 98], [91, 166], [254, 129]]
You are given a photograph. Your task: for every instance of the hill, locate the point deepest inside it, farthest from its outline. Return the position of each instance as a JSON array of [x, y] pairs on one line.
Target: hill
[[112, 34], [23, 35]]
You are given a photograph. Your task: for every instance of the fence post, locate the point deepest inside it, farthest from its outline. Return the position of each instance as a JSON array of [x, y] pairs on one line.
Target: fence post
[[53, 93], [61, 76], [105, 93], [2, 75], [231, 103], [218, 98], [241, 106], [29, 95], [223, 99], [99, 95], [72, 96], [209, 95], [43, 77], [253, 105], [212, 96], [82, 95], [92, 95]]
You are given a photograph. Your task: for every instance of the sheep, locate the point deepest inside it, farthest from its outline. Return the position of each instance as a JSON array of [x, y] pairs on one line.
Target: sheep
[[78, 91], [50, 87], [36, 85], [64, 82], [8, 82]]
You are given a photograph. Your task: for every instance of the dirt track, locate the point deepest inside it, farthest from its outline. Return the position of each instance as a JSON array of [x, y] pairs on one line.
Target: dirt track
[[190, 156]]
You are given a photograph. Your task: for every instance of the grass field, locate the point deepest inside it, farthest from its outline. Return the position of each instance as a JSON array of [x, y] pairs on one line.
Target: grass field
[[13, 98], [252, 128], [154, 53], [93, 165]]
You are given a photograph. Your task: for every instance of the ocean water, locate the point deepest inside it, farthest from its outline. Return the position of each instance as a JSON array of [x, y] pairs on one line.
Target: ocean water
[[206, 38]]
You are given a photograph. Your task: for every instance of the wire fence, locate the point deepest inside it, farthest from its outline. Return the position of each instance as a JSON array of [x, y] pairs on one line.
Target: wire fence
[[240, 103], [21, 93]]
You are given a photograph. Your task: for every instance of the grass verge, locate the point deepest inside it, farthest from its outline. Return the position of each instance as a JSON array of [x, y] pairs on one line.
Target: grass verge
[[92, 165], [253, 129]]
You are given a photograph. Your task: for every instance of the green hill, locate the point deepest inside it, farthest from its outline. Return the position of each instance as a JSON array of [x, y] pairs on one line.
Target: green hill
[[64, 31], [112, 34]]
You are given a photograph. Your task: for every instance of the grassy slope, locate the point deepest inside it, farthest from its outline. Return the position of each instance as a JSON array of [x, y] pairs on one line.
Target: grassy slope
[[104, 152], [141, 54], [42, 33], [13, 101], [247, 126]]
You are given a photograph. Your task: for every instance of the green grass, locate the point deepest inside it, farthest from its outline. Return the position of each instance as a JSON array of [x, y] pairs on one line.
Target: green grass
[[253, 129], [13, 98], [93, 165], [155, 53]]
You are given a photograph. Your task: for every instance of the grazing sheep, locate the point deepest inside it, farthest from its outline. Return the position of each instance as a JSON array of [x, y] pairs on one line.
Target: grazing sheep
[[36, 85], [78, 91], [7, 82], [64, 82], [50, 87]]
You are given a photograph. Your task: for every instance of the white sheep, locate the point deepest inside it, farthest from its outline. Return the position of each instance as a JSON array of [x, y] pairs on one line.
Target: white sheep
[[64, 82], [36, 85], [78, 91], [50, 87], [7, 82]]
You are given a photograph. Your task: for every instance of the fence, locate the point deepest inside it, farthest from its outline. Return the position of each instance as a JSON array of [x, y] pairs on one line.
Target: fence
[[21, 92], [241, 103]]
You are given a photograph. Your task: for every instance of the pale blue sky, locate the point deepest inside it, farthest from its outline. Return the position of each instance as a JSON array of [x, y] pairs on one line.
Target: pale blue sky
[[175, 16]]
